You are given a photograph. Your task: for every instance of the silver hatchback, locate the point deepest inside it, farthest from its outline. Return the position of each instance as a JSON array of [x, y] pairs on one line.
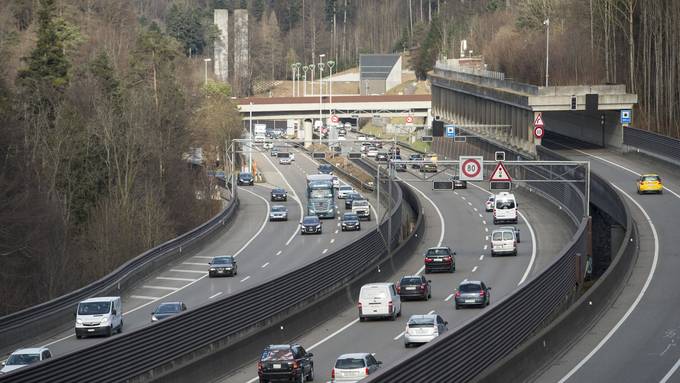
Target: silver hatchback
[[423, 328], [354, 367], [472, 293]]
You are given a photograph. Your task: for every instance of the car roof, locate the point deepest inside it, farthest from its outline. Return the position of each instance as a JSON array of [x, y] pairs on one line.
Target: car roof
[[378, 284], [349, 213], [471, 283], [354, 355], [423, 316], [278, 188], [280, 346], [412, 276], [346, 186], [33, 350], [438, 247], [100, 299], [170, 303], [310, 217], [502, 229], [223, 256], [279, 206], [650, 175]]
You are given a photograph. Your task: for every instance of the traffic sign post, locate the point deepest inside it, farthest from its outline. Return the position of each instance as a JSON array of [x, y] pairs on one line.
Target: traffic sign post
[[538, 127], [334, 119], [409, 119], [450, 131], [500, 174], [626, 116], [470, 168], [539, 132], [538, 121]]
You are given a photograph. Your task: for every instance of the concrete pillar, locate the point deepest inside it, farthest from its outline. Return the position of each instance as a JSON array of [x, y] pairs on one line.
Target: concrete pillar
[[308, 133]]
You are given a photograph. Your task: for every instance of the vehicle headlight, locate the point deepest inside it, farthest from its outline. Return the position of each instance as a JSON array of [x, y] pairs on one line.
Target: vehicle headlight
[[154, 319], [212, 269], [79, 321], [104, 320], [318, 226]]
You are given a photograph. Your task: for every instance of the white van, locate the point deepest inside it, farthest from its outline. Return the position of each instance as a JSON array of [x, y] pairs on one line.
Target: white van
[[379, 300], [505, 208], [99, 316]]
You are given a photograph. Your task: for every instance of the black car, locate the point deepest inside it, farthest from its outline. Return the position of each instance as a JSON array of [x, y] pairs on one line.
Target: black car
[[279, 194], [245, 178], [167, 310], [325, 169], [458, 184], [310, 224], [350, 221], [285, 362], [222, 265], [399, 167], [414, 286], [349, 197], [440, 259], [415, 157], [472, 293], [382, 156]]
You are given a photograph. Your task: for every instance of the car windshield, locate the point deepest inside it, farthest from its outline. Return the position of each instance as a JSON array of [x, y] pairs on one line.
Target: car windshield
[[168, 308], [353, 196], [411, 281], [360, 203], [310, 221], [491, 198], [246, 175], [278, 191], [343, 188], [325, 168], [650, 178], [349, 363], [94, 308], [21, 359], [421, 322], [277, 354], [350, 217], [320, 193], [505, 204], [221, 261], [279, 209], [436, 252], [469, 288]]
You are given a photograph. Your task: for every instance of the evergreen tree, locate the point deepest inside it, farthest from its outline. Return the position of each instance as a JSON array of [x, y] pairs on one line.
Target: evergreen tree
[[184, 24], [47, 64], [258, 9]]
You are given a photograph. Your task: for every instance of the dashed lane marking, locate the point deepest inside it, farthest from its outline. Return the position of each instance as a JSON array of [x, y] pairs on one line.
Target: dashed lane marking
[[193, 263], [481, 257], [245, 279], [265, 265], [278, 252], [189, 271], [160, 287], [215, 295], [333, 239], [175, 279], [474, 269], [143, 297], [324, 251], [448, 298]]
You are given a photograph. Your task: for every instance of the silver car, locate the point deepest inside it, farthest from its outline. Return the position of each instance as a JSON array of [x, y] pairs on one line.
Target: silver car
[[503, 241], [354, 367], [278, 213], [423, 328], [472, 293]]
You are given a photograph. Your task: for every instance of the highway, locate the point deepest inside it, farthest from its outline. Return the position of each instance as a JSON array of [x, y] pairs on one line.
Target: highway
[[636, 340], [456, 219], [263, 249]]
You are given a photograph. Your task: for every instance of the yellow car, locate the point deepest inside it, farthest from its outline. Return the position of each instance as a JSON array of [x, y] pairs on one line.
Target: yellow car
[[649, 183]]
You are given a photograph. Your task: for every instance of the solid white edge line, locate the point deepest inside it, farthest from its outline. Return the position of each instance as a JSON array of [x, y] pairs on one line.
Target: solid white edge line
[[194, 281], [670, 372], [264, 223], [295, 197], [632, 307]]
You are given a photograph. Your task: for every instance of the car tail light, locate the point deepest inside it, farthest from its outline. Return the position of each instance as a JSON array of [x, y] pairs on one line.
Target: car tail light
[[457, 293], [428, 260], [359, 307], [398, 288], [390, 306], [366, 370], [494, 213], [423, 286], [296, 365], [259, 365], [481, 293], [333, 373], [448, 258]]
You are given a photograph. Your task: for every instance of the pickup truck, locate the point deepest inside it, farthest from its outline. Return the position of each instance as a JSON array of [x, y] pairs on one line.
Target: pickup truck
[[361, 208]]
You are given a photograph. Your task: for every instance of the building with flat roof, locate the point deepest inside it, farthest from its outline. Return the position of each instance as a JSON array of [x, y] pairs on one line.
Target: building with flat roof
[[378, 73]]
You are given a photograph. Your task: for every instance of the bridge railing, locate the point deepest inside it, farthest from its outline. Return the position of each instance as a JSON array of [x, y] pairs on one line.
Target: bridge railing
[[658, 145]]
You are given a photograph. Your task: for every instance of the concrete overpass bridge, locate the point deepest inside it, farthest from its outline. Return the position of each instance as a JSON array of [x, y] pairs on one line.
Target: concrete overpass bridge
[[589, 113], [301, 108]]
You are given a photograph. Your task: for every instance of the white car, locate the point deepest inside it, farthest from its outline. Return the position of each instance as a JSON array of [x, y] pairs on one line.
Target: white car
[[344, 190], [423, 328], [354, 367], [285, 160], [379, 300], [505, 208], [336, 182], [489, 203], [372, 152], [361, 138], [268, 145], [503, 241], [23, 357]]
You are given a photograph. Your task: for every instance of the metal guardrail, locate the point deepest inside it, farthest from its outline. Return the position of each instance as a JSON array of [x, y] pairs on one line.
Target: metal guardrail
[[216, 325], [25, 324], [653, 144], [481, 342]]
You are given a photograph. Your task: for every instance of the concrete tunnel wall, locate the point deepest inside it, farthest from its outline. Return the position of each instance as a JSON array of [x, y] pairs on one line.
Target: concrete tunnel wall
[[586, 126]]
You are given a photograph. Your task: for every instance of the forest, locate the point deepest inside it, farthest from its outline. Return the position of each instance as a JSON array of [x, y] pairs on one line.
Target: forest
[[100, 98]]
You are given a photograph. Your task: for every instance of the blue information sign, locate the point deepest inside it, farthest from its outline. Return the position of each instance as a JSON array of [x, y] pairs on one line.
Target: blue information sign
[[450, 131], [626, 116]]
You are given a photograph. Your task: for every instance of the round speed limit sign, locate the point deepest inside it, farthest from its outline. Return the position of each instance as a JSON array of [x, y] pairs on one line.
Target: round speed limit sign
[[471, 168]]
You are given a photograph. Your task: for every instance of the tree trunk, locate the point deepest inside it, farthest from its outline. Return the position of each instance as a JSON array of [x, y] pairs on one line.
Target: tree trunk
[[343, 54]]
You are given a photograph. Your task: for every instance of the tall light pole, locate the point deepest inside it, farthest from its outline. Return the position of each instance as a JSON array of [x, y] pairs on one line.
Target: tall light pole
[[297, 68], [320, 65], [330, 64], [305, 68], [292, 68], [206, 61], [250, 144], [547, 48], [311, 69]]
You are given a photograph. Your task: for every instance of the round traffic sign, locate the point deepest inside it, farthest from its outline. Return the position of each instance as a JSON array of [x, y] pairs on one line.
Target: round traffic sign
[[409, 119], [538, 132], [471, 168], [334, 119]]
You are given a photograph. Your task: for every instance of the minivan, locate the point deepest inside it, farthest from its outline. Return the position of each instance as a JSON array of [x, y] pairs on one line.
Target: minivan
[[99, 316], [379, 300], [503, 241], [505, 208]]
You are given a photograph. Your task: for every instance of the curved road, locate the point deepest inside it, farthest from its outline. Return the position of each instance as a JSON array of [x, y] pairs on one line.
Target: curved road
[[637, 339], [453, 218], [264, 250]]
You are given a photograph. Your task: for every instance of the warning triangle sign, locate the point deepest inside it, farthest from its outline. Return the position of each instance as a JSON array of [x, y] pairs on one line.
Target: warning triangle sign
[[538, 122], [500, 173]]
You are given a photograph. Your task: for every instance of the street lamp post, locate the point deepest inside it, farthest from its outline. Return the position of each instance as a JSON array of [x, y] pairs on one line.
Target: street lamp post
[[320, 65], [206, 61], [305, 68], [311, 70], [292, 68], [250, 144], [297, 67], [330, 64], [547, 47]]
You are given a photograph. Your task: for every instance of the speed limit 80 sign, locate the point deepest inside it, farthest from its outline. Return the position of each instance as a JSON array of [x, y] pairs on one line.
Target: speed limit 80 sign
[[470, 168]]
